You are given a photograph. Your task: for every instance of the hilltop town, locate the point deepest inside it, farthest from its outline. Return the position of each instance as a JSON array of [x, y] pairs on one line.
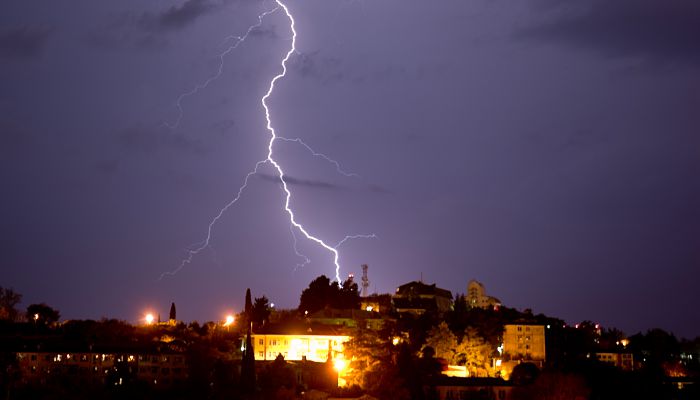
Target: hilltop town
[[421, 342]]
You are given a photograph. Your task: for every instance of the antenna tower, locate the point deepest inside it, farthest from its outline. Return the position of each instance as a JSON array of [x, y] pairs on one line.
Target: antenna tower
[[365, 280]]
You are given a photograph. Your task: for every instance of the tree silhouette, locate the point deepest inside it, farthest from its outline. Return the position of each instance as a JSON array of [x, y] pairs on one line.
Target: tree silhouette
[[173, 313], [260, 311], [248, 311], [323, 293], [8, 304], [42, 314]]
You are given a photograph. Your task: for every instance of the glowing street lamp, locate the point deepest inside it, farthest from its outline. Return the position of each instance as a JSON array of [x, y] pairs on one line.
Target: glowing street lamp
[[339, 365], [149, 319], [229, 320]]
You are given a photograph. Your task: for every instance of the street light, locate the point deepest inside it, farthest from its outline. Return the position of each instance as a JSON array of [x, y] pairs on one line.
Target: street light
[[229, 320], [149, 319]]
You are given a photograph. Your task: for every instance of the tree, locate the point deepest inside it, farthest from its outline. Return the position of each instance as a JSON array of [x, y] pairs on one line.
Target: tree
[[8, 304], [173, 313], [316, 296], [42, 314], [323, 293], [443, 342], [277, 378], [474, 352], [260, 311], [524, 373], [248, 311], [372, 365], [348, 296], [248, 365]]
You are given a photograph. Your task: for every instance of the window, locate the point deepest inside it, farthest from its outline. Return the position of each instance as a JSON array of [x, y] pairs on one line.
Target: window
[[261, 354], [520, 328], [261, 342], [33, 357]]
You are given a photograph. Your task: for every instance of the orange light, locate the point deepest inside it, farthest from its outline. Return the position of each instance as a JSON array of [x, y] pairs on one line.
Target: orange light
[[149, 319], [229, 320], [339, 364]]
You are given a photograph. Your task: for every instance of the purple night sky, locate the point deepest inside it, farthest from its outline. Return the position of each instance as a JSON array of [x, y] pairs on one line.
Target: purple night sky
[[549, 149]]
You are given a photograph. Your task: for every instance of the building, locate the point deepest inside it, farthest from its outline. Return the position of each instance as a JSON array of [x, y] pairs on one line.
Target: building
[[298, 346], [477, 298], [418, 298], [380, 303], [348, 318], [97, 368], [524, 342], [624, 361]]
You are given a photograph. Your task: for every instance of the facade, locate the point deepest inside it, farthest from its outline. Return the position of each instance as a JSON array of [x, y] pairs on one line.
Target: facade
[[624, 361], [524, 341], [88, 368], [477, 298], [297, 347], [418, 298], [348, 318]]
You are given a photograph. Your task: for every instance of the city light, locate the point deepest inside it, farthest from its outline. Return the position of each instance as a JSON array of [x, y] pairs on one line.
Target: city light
[[229, 320], [149, 319], [339, 364]]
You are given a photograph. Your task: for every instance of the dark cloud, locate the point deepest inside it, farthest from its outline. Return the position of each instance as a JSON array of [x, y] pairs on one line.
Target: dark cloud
[[661, 31], [300, 182], [179, 17], [23, 42], [144, 30], [317, 66], [152, 140]]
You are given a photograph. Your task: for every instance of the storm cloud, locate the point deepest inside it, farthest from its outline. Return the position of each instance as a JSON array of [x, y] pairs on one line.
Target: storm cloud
[[659, 31], [23, 42]]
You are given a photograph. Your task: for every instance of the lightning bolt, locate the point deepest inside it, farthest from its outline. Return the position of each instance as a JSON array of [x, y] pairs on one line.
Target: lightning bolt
[[274, 137], [294, 224], [321, 155], [237, 40]]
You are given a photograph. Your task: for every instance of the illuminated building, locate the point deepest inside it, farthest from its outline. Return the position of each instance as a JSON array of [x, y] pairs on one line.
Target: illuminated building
[[477, 298], [524, 342], [297, 347], [418, 298], [624, 361]]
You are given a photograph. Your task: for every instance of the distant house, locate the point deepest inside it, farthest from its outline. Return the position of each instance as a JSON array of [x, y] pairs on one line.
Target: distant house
[[477, 298], [418, 298], [622, 360]]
